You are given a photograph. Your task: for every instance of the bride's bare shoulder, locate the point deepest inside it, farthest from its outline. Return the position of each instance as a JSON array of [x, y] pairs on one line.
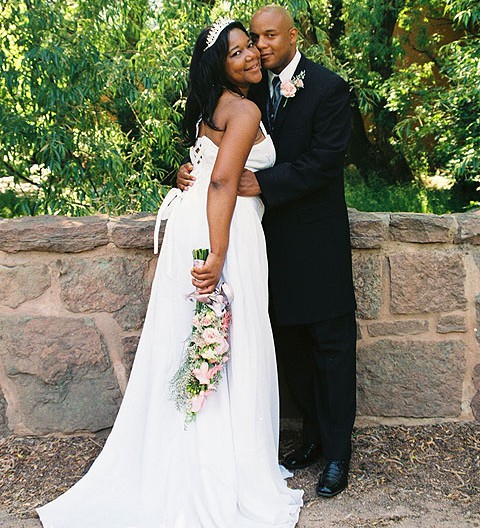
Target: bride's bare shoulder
[[232, 106]]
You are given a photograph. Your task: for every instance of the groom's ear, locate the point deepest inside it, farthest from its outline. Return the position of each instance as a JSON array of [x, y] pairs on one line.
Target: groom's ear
[[293, 33]]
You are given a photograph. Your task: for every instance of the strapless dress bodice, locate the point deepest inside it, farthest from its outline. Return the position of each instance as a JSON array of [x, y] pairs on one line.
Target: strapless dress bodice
[[204, 153]]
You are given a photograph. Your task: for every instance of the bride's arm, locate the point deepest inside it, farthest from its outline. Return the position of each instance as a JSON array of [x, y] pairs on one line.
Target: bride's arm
[[240, 131]]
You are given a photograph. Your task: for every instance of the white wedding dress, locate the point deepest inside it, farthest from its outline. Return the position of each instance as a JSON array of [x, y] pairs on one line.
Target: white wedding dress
[[222, 471]]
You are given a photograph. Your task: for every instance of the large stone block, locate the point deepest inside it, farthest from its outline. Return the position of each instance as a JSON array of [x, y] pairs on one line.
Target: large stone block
[[115, 284], [62, 374], [130, 344], [476, 377], [411, 327], [424, 281], [475, 403], [359, 331], [476, 258], [468, 228], [367, 277], [477, 312], [367, 230], [475, 406], [135, 231], [451, 323], [53, 233], [407, 378], [422, 228], [22, 283], [4, 431]]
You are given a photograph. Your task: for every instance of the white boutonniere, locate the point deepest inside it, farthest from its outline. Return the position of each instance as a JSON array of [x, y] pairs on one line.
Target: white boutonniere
[[289, 88]]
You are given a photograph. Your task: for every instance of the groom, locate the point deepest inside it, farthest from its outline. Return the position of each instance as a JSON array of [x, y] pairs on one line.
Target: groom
[[306, 227]]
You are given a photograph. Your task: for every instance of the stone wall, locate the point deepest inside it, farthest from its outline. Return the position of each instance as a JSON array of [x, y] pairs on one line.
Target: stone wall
[[73, 295]]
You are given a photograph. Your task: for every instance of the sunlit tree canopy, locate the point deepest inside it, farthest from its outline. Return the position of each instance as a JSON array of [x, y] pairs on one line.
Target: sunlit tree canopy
[[92, 94]]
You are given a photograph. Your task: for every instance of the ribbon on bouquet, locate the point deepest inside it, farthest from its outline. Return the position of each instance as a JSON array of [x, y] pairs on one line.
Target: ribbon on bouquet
[[163, 213], [218, 300]]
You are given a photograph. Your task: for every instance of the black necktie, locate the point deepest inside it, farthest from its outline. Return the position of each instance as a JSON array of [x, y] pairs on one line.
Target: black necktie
[[274, 100]]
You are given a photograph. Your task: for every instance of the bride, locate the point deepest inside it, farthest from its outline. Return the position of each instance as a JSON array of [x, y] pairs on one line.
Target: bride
[[222, 470]]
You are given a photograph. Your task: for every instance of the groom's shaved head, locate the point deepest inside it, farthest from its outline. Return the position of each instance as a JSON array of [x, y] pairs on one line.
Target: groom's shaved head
[[276, 10], [274, 33]]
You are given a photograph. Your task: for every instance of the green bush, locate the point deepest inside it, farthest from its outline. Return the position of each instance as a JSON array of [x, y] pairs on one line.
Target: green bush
[[13, 204], [439, 105], [92, 94], [91, 97], [374, 194]]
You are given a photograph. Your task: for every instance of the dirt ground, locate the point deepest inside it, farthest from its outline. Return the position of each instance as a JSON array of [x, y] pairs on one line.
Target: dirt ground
[[402, 477]]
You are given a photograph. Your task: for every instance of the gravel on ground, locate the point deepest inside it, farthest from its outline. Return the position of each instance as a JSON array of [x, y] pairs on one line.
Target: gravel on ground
[[401, 476]]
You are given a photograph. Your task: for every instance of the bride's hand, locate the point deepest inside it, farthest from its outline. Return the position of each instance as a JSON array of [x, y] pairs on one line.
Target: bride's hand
[[206, 278], [184, 177]]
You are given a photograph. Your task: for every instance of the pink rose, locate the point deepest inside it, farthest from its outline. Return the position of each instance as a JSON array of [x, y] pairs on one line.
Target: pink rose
[[203, 374], [207, 319], [211, 336], [288, 89], [222, 348], [198, 401]]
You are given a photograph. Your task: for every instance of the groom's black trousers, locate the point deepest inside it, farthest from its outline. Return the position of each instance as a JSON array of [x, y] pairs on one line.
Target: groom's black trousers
[[319, 364]]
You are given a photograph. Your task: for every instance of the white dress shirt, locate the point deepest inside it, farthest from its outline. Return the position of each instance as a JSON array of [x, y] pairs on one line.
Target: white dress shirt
[[287, 73]]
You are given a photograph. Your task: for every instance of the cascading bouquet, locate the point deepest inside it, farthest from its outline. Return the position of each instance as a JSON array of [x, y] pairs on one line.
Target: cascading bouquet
[[207, 350]]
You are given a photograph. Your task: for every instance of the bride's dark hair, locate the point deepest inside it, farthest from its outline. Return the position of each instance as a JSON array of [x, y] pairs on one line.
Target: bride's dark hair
[[207, 80]]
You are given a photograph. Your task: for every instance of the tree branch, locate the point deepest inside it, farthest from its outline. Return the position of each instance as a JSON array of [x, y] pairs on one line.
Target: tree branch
[[13, 170]]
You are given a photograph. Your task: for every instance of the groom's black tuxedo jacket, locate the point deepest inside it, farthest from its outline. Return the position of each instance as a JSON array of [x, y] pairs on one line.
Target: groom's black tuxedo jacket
[[306, 222]]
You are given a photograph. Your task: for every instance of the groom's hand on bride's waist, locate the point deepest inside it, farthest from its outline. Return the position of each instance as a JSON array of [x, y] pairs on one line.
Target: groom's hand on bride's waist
[[185, 179], [248, 184]]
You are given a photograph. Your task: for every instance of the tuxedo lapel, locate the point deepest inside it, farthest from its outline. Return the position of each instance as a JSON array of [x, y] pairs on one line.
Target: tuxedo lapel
[[287, 103]]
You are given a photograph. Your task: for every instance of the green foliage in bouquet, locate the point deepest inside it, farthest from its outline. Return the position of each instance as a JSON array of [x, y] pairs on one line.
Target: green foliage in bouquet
[[200, 254]]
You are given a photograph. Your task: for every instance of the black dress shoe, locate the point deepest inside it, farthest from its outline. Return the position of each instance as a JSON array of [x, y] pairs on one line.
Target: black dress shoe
[[334, 478], [304, 456]]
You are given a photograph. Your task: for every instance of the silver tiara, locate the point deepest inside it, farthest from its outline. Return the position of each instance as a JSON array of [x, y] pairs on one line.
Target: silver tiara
[[215, 30]]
